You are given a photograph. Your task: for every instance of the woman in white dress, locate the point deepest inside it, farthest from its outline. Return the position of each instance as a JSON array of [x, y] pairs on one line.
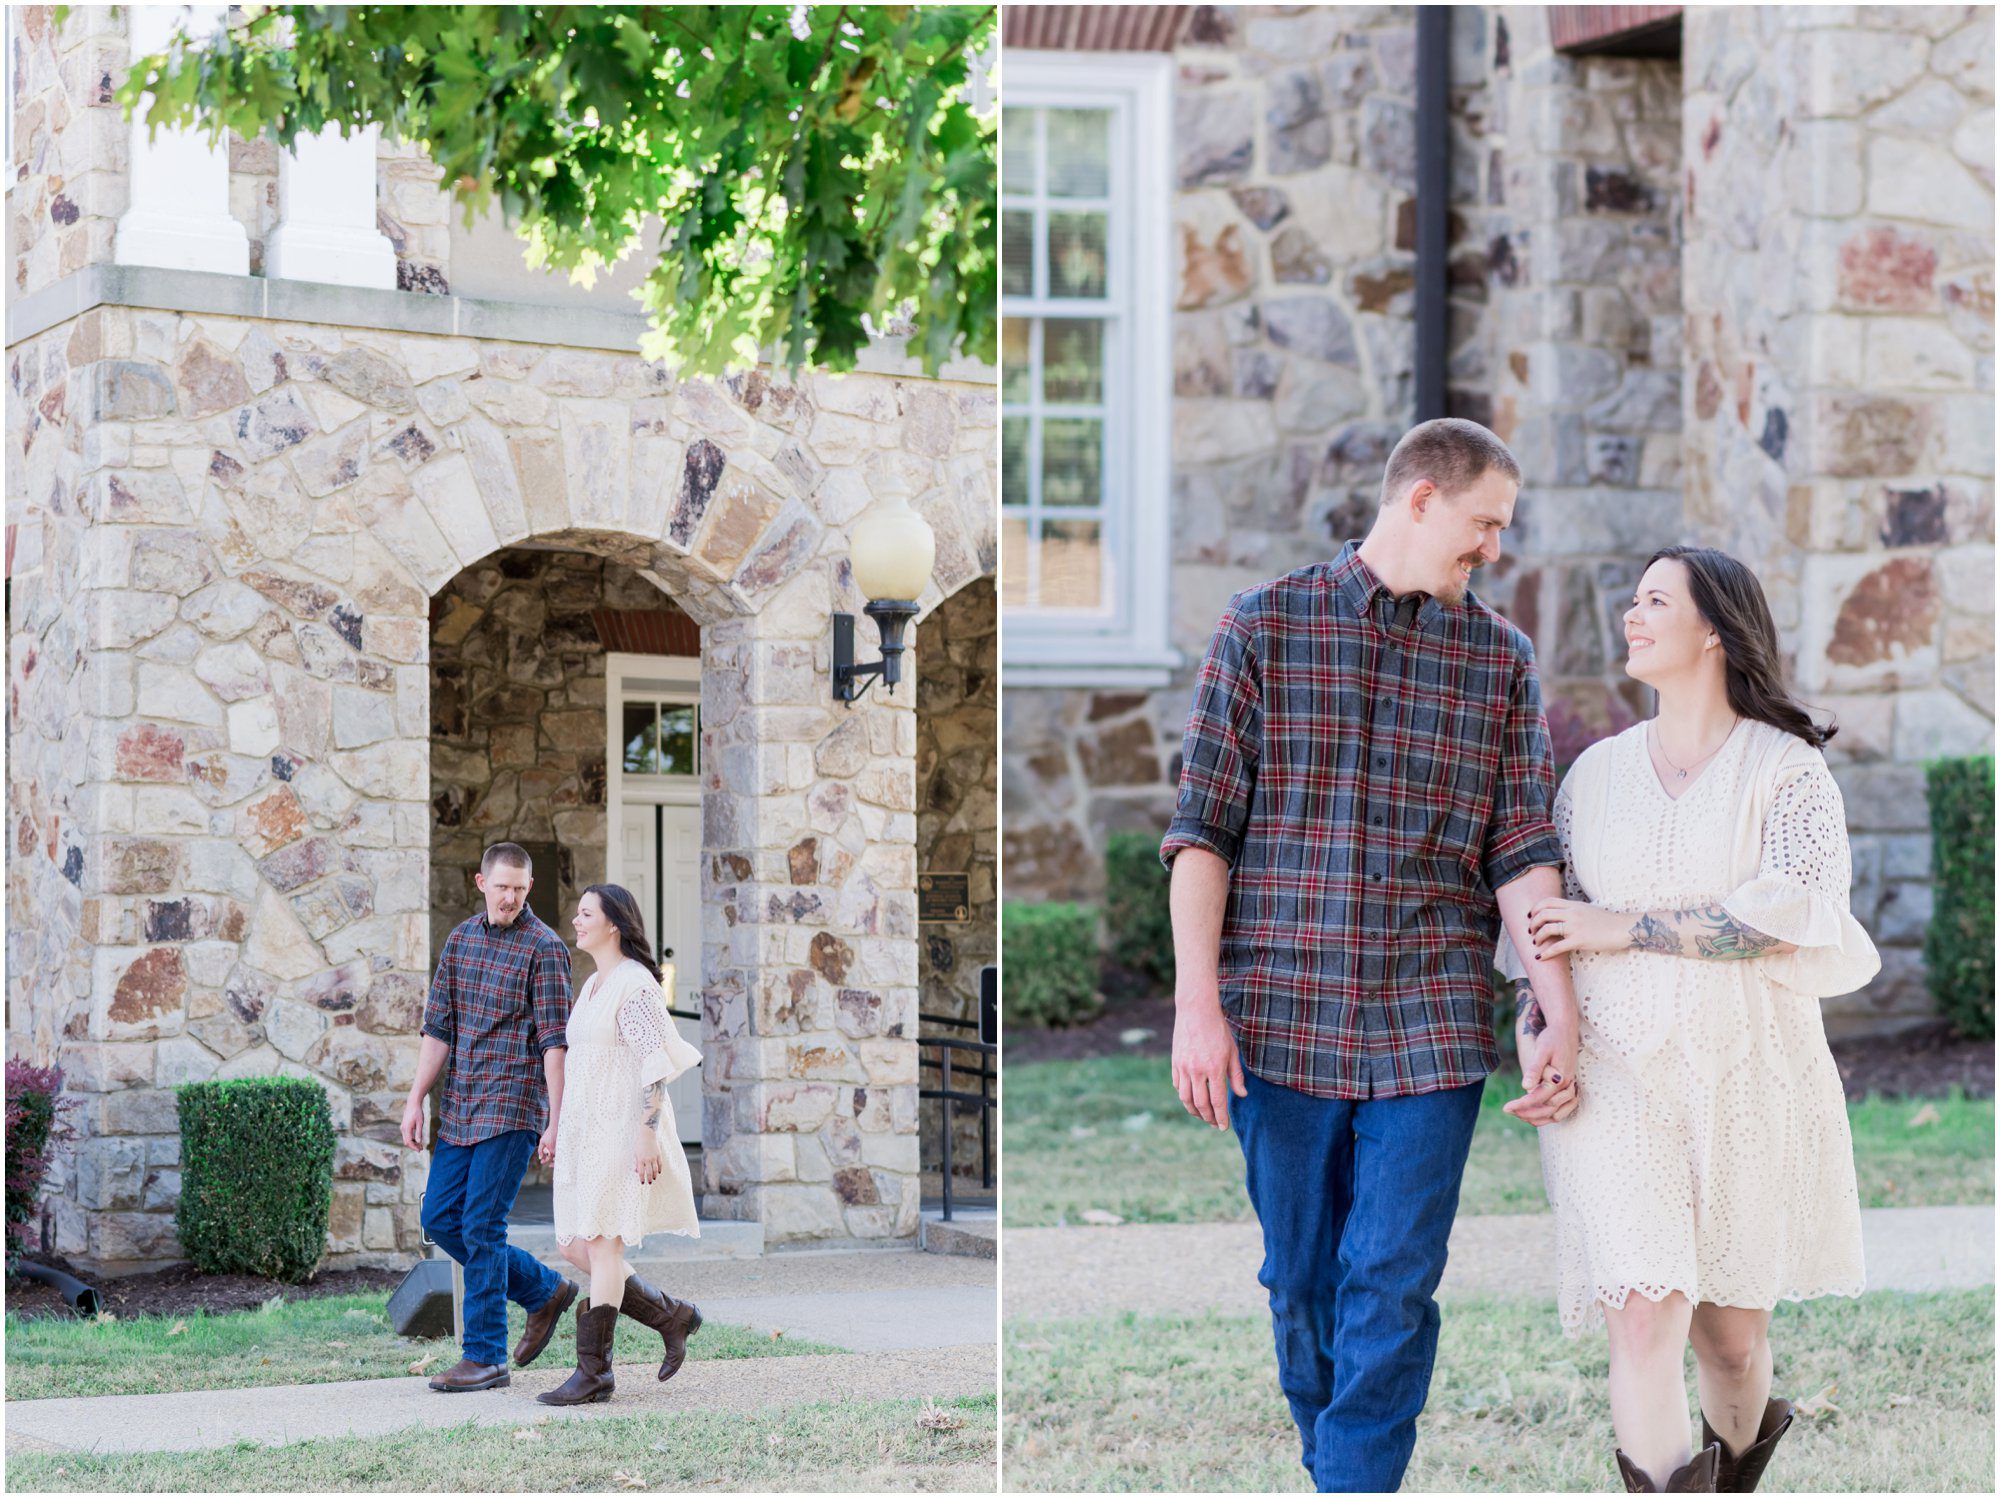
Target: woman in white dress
[[620, 1170], [1707, 1172]]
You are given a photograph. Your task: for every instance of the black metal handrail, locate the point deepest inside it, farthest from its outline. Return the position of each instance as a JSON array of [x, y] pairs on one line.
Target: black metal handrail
[[948, 1095]]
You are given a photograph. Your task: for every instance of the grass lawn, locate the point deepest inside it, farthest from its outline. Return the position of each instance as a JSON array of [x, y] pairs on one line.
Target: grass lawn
[[295, 1342], [1109, 1135], [1192, 1404], [856, 1447]]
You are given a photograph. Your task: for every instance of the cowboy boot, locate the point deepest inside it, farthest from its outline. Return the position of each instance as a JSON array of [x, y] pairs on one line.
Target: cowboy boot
[[1739, 1474], [674, 1320], [591, 1383], [542, 1325], [1698, 1476]]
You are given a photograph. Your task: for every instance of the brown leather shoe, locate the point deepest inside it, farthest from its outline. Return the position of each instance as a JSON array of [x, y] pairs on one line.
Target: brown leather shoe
[[1739, 1474], [1698, 1476], [592, 1382], [542, 1325], [674, 1320], [465, 1376]]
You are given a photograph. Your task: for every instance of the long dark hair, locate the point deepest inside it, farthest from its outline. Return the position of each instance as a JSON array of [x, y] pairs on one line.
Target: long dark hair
[[619, 908], [1731, 602]]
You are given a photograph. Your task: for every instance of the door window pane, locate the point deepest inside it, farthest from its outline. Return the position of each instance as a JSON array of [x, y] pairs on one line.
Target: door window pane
[[662, 738], [677, 738], [1076, 254], [642, 739]]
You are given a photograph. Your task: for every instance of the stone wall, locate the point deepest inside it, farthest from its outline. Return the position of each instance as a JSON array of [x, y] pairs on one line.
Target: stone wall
[[958, 829], [70, 142], [230, 532], [1294, 248], [1839, 287], [1584, 244]]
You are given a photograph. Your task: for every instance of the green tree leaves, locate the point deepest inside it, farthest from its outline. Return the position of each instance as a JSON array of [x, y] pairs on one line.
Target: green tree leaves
[[806, 166]]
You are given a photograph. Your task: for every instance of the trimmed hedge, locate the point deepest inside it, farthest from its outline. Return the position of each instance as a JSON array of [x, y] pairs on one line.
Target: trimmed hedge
[[1958, 947], [1140, 921], [256, 1176], [1048, 964]]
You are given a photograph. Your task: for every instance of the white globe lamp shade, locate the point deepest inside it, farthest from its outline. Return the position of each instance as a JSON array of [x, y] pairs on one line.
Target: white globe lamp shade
[[892, 550]]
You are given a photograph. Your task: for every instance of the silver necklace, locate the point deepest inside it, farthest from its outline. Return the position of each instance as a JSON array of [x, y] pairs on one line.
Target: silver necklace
[[1680, 774]]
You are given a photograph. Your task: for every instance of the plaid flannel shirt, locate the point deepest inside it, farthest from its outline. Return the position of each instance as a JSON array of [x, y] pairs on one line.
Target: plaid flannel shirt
[[500, 999], [1372, 769]]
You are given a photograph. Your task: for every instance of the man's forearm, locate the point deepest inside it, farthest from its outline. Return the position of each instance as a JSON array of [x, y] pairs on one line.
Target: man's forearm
[[431, 1054], [1553, 994], [1197, 896], [1708, 931]]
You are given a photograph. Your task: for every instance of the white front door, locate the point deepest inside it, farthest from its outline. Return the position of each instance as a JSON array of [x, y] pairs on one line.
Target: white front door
[[665, 841]]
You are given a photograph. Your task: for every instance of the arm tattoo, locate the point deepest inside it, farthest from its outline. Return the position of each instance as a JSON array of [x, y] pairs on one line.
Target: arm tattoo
[[651, 1101], [1528, 1010], [1716, 935]]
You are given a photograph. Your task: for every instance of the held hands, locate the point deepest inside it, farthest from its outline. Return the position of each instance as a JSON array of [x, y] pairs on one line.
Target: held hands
[[646, 1159], [1548, 1067], [1206, 1065], [1558, 926], [546, 1150]]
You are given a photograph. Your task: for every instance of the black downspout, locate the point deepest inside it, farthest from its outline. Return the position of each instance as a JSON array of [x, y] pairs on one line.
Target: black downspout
[[1433, 205]]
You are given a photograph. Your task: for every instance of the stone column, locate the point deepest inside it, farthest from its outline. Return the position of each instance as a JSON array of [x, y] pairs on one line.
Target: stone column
[[1839, 415], [326, 206], [810, 954]]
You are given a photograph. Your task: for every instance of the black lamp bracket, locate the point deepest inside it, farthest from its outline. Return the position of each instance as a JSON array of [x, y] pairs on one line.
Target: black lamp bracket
[[850, 678]]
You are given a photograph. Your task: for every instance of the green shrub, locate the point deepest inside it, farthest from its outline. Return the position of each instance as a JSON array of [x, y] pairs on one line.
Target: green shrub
[[1048, 964], [1140, 922], [256, 1176], [36, 1129], [1958, 948]]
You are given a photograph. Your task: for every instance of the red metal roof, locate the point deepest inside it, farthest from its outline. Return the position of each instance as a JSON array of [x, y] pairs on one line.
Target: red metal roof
[[1574, 26], [1092, 28], [648, 631]]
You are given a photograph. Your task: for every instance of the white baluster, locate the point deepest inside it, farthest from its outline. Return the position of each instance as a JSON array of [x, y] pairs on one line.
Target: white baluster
[[179, 206]]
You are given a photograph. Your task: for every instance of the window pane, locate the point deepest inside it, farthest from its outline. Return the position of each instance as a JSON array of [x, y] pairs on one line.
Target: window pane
[[1017, 150], [1017, 252], [1072, 564], [1076, 254], [1013, 562], [1017, 379], [642, 739], [1014, 460], [1073, 361], [1079, 153], [1072, 461], [677, 738]]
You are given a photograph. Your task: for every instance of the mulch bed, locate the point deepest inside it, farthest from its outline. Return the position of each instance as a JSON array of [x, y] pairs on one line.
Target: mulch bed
[[181, 1288], [1925, 1061]]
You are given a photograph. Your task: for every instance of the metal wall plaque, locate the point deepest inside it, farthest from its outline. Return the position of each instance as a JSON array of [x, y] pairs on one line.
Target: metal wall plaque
[[944, 897]]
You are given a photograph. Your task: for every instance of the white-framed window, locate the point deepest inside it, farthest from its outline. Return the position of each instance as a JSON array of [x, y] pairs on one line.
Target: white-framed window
[[1086, 368]]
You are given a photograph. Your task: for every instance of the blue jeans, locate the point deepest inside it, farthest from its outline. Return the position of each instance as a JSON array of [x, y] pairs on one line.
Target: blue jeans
[[1356, 1198], [466, 1201]]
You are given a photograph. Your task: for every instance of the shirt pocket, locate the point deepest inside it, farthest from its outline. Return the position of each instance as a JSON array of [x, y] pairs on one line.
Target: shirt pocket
[[1457, 769]]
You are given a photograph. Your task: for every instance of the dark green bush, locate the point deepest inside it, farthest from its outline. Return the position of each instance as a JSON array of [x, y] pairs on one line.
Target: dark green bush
[[1139, 921], [256, 1176], [36, 1129], [1048, 964], [1958, 948]]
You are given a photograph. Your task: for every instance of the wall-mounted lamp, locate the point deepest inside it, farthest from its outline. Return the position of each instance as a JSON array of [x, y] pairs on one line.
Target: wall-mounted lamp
[[891, 549]]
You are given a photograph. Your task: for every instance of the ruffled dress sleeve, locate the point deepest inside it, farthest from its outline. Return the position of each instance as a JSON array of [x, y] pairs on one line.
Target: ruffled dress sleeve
[[1800, 892], [1505, 959], [645, 1026]]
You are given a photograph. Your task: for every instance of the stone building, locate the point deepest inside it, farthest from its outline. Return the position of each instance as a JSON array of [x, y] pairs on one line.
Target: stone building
[[1723, 276], [341, 545]]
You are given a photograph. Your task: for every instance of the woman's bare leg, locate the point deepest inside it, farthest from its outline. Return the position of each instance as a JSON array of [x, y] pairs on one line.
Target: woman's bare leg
[[575, 1254], [1649, 1408], [1732, 1359], [607, 1271]]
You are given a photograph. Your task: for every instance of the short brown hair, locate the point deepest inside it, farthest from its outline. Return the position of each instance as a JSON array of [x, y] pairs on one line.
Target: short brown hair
[[512, 854], [1451, 452]]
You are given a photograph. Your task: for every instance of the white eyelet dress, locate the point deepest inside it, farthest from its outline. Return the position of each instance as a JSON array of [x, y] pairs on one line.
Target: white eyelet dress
[[1709, 1152], [620, 1039]]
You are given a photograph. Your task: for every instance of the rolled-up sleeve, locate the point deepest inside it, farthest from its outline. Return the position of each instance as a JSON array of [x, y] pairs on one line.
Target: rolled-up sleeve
[[549, 982], [439, 1020], [1224, 742], [1522, 834]]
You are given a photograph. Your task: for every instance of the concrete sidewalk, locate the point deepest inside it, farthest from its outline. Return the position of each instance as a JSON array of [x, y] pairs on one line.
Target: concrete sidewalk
[[910, 1324], [201, 1420], [1167, 1269]]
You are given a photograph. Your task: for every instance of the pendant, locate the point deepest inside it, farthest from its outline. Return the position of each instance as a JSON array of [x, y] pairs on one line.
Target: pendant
[[1682, 774]]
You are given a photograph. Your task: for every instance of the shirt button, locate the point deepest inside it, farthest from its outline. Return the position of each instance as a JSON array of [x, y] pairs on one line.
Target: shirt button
[[1381, 760], [1378, 821]]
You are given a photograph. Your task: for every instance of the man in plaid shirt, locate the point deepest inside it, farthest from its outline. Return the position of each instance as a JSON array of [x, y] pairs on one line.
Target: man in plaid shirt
[[1365, 793], [498, 1009]]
